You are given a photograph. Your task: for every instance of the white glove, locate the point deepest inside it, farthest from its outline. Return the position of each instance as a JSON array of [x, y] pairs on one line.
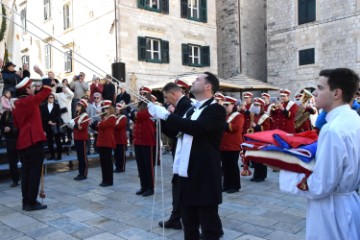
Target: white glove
[[71, 123], [158, 111]]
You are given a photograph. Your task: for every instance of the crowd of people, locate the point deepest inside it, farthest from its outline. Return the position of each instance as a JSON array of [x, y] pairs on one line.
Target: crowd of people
[[205, 128]]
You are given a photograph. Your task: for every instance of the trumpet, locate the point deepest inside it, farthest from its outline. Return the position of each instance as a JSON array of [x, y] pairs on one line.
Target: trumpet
[[251, 129]]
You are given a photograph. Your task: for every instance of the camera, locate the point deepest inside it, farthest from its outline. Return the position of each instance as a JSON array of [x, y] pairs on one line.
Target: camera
[[77, 77]]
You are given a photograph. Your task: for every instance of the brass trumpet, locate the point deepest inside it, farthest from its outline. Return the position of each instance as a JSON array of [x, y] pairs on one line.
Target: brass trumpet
[[251, 129]]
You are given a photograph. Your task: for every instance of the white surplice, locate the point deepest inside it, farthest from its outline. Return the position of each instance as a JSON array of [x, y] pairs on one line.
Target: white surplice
[[333, 206]]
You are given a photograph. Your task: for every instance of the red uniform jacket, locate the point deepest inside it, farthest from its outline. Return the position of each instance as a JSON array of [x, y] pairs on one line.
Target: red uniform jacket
[[27, 119], [144, 129], [81, 134], [106, 132], [232, 137], [284, 120], [263, 121], [120, 130], [247, 118]]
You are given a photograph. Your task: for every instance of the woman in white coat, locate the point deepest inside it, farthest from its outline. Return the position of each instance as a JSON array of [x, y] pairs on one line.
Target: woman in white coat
[[64, 99]]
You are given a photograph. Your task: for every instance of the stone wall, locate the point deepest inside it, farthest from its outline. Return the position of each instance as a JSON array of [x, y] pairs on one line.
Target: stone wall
[[335, 35]]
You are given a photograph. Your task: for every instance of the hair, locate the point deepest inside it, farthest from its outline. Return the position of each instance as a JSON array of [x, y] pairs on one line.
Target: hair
[[343, 78], [111, 110], [234, 108], [6, 91], [82, 108], [171, 87], [213, 80]]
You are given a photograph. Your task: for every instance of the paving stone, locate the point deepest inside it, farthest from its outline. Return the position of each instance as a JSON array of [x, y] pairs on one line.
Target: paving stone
[[280, 235], [137, 234], [58, 235], [87, 232], [81, 215], [67, 225], [104, 236], [13, 220], [9, 233]]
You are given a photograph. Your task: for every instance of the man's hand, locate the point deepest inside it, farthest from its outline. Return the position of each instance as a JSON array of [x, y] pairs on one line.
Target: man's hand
[[157, 111], [38, 70], [7, 129]]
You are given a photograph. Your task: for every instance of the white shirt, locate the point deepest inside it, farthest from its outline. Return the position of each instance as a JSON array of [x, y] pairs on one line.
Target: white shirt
[[333, 207], [50, 107]]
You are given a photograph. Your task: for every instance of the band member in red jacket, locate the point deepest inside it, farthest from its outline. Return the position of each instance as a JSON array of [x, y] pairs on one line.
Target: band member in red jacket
[[283, 114], [31, 138], [144, 142], [81, 136], [261, 123], [120, 139], [106, 143], [230, 146], [245, 110]]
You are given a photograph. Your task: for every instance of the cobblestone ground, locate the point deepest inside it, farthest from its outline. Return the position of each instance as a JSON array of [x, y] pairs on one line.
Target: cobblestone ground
[[83, 210]]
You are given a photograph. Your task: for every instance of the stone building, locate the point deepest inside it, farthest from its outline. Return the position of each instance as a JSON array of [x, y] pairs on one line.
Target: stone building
[[241, 38], [156, 39], [305, 36]]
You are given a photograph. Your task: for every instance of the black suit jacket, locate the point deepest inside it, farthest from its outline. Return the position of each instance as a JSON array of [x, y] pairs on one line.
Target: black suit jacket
[[203, 184], [47, 116], [123, 97]]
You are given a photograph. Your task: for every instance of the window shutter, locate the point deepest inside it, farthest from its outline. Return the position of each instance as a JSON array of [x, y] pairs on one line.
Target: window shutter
[[165, 58], [164, 6], [64, 16], [141, 3], [302, 11], [141, 48], [311, 11], [203, 11], [205, 56], [185, 54], [184, 8]]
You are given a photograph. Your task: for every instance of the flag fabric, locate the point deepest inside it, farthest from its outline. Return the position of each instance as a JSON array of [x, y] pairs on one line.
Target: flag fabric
[[14, 37]]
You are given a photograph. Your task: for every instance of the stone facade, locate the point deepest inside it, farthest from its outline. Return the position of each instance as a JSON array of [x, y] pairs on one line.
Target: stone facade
[[92, 35], [241, 49], [335, 36]]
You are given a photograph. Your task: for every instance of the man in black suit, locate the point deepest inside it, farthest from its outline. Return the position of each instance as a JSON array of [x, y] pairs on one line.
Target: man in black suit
[[123, 96], [197, 158], [50, 115], [178, 104]]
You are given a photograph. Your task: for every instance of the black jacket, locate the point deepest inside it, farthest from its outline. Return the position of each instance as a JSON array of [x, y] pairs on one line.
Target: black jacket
[[123, 97], [11, 79], [7, 120], [46, 116], [203, 184]]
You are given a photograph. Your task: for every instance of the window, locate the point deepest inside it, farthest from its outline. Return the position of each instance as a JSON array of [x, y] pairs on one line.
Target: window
[[154, 5], [194, 10], [47, 53], [153, 50], [47, 9], [307, 11], [67, 16], [68, 61], [23, 20], [25, 60], [194, 55], [307, 56]]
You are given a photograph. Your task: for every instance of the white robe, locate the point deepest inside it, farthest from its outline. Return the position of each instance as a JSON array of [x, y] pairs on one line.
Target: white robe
[[333, 206]]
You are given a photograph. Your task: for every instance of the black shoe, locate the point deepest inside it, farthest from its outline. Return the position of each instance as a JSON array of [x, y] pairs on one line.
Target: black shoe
[[14, 184], [58, 158], [148, 193], [51, 158], [232, 190], [173, 224], [117, 171], [80, 177], [257, 179], [140, 191], [105, 184], [37, 206], [221, 234], [225, 189]]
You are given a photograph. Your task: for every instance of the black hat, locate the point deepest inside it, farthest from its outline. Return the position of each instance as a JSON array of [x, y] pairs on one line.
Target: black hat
[[8, 64]]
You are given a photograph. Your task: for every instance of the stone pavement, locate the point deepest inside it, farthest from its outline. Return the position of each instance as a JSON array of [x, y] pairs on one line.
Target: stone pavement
[[83, 210]]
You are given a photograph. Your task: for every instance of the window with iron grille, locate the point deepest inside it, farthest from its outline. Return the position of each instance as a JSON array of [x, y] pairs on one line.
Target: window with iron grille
[[25, 60], [67, 16], [23, 20]]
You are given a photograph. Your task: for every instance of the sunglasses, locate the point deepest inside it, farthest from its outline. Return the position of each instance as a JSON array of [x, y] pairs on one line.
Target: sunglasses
[[97, 98]]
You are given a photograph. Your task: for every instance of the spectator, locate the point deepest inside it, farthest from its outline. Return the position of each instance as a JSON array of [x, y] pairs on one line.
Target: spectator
[[79, 87], [109, 90], [10, 78], [95, 86], [94, 112], [5, 100], [64, 99], [123, 96]]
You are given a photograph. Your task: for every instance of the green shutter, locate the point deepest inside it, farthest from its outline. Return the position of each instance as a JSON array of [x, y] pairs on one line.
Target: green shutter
[[203, 11], [185, 54], [141, 49], [307, 11], [184, 8], [302, 11], [165, 58], [164, 4], [141, 3], [205, 56]]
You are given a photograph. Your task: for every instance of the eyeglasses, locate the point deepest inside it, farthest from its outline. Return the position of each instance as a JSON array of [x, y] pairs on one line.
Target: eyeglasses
[[50, 97], [97, 98]]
